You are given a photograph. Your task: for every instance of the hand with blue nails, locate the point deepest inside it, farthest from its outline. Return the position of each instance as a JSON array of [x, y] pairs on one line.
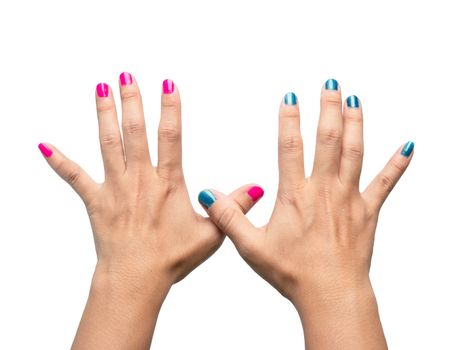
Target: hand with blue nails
[[146, 233], [316, 249]]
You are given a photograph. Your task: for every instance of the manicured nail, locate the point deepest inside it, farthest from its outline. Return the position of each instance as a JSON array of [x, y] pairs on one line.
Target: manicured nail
[[126, 78], [168, 86], [353, 101], [206, 198], [102, 90], [290, 98], [407, 149], [331, 84], [46, 151], [255, 193]]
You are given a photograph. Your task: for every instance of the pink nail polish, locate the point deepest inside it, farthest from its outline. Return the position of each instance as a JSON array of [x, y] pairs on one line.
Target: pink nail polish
[[126, 78], [255, 193], [168, 86], [102, 90], [46, 151]]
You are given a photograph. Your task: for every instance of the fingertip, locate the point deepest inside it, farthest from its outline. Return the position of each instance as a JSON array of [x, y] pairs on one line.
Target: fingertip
[[290, 99], [168, 87], [380, 188], [331, 85], [206, 198], [170, 95], [45, 149], [331, 94], [102, 90], [289, 110], [255, 192], [407, 149], [126, 79], [353, 102]]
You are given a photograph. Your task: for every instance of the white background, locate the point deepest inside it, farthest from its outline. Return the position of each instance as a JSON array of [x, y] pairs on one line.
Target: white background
[[233, 62]]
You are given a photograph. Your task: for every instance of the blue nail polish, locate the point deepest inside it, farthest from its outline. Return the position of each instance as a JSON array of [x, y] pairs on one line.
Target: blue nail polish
[[331, 84], [290, 98], [407, 149], [206, 198], [353, 102]]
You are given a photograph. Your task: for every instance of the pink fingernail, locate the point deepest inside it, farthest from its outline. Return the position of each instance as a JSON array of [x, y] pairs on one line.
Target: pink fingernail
[[255, 193], [46, 151], [126, 78], [168, 86], [102, 90]]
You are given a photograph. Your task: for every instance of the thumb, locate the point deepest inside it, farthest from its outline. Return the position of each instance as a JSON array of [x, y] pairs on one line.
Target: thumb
[[228, 213], [69, 171]]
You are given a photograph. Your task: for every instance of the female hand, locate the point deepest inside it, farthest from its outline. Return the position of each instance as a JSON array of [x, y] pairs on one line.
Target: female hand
[[146, 233], [316, 249]]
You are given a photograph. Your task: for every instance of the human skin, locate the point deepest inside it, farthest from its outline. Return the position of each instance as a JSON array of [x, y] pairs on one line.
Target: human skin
[[316, 248], [147, 235]]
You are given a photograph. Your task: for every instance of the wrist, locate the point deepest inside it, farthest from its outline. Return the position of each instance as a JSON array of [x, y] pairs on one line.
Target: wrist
[[122, 309], [326, 295], [344, 316], [130, 282]]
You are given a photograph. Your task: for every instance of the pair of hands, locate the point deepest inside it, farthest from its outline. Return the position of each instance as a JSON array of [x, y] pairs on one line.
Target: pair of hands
[[315, 250]]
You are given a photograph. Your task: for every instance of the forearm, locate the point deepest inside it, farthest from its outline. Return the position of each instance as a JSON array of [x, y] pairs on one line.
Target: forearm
[[121, 312], [341, 319]]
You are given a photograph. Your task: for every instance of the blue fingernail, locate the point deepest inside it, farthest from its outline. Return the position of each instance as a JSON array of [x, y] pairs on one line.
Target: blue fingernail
[[407, 149], [290, 98], [206, 198], [353, 102], [331, 84]]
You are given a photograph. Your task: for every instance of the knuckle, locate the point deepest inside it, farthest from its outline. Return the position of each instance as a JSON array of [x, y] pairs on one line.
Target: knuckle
[[169, 133], [386, 182], [110, 140], [286, 198], [332, 100], [290, 113], [133, 127], [72, 176], [105, 107], [170, 187], [291, 144], [353, 115], [352, 152], [397, 165], [129, 96], [170, 172], [226, 218], [171, 180], [330, 136], [169, 102], [290, 196]]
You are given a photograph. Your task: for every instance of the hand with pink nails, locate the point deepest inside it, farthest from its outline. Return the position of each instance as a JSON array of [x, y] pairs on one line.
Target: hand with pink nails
[[316, 248], [146, 233]]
